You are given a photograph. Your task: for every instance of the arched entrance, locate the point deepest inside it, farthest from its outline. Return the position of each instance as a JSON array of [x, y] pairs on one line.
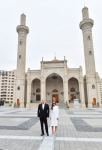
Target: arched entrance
[[54, 87], [73, 87], [35, 91]]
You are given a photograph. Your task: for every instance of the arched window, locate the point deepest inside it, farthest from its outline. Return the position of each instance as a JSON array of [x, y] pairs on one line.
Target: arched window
[[37, 90], [72, 89], [55, 91]]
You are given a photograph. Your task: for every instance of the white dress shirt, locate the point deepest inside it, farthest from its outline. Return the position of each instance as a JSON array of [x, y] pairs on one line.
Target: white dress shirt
[[43, 105]]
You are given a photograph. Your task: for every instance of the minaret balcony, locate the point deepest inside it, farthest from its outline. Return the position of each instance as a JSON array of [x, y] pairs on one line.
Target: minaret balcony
[[86, 23], [22, 28]]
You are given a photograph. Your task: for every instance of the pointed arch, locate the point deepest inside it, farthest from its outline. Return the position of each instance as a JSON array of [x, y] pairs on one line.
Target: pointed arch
[[73, 86], [35, 90], [54, 87]]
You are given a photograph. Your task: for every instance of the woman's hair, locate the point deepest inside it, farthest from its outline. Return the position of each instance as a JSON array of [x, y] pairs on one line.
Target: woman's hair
[[53, 104]]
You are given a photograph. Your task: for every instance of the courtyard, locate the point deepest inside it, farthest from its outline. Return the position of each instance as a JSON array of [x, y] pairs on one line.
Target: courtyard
[[79, 129]]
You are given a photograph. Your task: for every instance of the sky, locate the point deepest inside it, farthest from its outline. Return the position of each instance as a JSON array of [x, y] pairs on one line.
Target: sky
[[54, 30]]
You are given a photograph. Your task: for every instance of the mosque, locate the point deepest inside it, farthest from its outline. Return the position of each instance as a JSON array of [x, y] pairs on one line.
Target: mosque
[[55, 78]]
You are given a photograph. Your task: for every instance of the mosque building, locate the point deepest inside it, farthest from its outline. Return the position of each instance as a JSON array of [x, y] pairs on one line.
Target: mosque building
[[55, 78]]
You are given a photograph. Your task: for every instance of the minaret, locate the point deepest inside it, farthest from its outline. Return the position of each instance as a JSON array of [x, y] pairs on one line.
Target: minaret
[[22, 31], [86, 25]]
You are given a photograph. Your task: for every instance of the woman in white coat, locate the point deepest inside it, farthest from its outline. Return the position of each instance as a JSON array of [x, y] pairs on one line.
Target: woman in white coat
[[54, 115]]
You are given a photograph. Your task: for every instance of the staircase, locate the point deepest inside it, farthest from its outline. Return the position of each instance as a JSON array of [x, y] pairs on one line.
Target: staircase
[[62, 105], [35, 105]]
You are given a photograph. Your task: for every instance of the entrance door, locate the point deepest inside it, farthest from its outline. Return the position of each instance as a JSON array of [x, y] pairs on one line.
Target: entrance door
[[72, 97], [38, 97], [56, 97], [94, 102]]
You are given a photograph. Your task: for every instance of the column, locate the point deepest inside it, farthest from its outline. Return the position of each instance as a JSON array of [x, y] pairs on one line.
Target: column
[[65, 87], [82, 96], [98, 93], [28, 93], [43, 89], [65, 83]]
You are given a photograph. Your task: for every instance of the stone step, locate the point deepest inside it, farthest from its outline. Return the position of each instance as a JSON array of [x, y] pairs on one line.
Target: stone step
[[35, 105]]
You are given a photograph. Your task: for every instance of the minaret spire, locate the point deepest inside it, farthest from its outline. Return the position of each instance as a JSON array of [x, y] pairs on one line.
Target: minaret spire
[[84, 3], [23, 19], [85, 13]]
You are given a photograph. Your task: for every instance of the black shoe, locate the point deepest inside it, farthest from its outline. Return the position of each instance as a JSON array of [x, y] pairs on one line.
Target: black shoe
[[47, 134], [42, 134]]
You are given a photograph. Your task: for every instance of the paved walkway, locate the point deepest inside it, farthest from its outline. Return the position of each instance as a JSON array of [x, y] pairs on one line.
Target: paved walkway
[[78, 130]]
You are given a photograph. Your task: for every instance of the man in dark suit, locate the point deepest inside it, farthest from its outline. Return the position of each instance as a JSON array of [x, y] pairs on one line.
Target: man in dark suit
[[43, 114]]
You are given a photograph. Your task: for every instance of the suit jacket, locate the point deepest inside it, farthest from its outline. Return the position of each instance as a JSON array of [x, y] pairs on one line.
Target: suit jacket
[[43, 113]]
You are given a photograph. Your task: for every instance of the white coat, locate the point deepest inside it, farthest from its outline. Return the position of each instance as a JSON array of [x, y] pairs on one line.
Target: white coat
[[54, 115]]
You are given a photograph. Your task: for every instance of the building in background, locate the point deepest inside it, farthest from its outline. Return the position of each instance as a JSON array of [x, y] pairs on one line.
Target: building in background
[[7, 80], [101, 90]]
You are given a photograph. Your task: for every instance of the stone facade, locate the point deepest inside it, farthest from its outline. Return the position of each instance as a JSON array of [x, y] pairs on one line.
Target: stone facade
[[55, 78]]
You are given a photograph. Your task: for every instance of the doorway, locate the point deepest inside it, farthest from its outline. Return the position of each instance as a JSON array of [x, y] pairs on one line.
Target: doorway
[[38, 97], [56, 97]]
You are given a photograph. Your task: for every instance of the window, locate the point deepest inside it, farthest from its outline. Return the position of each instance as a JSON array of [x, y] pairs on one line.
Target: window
[[90, 52], [88, 37], [19, 56], [20, 42], [93, 86], [18, 88]]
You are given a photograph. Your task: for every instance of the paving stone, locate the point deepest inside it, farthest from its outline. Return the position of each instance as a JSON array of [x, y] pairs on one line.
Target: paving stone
[[79, 129]]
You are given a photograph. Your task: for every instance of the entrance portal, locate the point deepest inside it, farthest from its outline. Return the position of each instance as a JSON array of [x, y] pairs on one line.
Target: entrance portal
[[73, 86], [54, 87], [35, 91]]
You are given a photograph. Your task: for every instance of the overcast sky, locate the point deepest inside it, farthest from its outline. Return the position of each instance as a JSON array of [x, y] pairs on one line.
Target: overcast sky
[[54, 29]]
